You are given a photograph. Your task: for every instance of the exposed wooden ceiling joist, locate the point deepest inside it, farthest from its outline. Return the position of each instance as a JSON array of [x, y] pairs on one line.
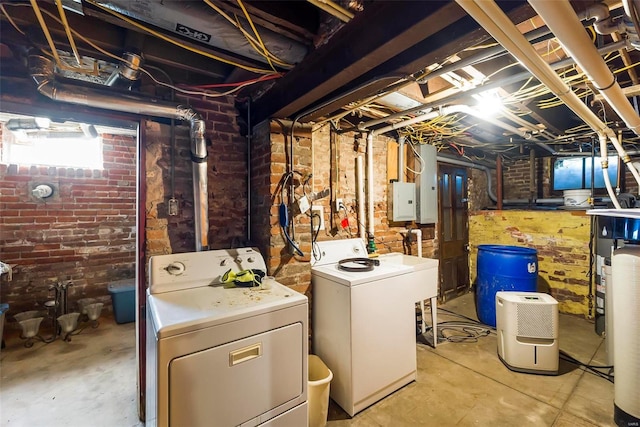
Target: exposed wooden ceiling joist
[[388, 26]]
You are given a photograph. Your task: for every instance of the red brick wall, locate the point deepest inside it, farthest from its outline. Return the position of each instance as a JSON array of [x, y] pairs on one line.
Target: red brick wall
[[227, 180], [516, 178], [314, 154], [84, 233]]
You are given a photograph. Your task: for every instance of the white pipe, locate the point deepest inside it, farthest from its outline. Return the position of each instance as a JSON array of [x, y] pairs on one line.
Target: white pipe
[[452, 109], [360, 195], [493, 20], [604, 160], [370, 220], [563, 22], [421, 118], [419, 241], [604, 23], [401, 159], [418, 233]]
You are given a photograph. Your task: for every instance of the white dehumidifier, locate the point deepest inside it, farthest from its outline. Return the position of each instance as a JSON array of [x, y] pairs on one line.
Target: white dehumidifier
[[527, 327]]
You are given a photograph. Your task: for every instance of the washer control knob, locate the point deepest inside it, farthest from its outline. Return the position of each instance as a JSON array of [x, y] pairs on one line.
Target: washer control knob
[[175, 268], [251, 259], [238, 260], [224, 262]]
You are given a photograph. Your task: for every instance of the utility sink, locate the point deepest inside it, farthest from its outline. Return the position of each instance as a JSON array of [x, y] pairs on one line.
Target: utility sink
[[417, 263], [425, 275]]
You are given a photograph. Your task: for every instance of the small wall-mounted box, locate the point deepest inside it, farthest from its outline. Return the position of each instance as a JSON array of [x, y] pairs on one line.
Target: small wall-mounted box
[[402, 201], [427, 186]]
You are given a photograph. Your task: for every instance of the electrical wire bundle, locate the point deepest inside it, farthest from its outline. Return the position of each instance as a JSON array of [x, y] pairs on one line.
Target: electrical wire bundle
[[81, 66], [461, 331]]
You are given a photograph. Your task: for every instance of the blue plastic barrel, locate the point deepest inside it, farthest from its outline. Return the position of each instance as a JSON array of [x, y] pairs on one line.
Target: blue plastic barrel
[[503, 268]]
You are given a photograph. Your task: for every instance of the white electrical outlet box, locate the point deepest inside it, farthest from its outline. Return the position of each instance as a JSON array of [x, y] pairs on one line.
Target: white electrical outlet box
[[404, 201], [303, 204], [317, 221], [338, 204]]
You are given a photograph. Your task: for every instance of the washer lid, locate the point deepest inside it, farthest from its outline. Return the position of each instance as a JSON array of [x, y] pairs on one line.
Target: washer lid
[[348, 278], [187, 310]]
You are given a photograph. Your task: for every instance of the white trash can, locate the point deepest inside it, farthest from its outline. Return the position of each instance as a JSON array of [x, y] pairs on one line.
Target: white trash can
[[318, 391]]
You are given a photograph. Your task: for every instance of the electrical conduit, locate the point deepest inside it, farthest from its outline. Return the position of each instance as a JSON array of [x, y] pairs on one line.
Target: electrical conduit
[[370, 217], [360, 195]]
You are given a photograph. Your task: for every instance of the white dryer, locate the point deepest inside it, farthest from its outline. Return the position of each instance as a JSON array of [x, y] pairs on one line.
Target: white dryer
[[363, 323], [221, 356]]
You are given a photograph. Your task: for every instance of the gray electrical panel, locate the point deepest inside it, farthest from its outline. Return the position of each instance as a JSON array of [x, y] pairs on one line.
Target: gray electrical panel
[[404, 201], [427, 186]]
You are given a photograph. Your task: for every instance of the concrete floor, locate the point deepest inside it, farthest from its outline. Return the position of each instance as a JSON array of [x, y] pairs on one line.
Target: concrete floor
[[92, 381], [89, 381], [465, 384]]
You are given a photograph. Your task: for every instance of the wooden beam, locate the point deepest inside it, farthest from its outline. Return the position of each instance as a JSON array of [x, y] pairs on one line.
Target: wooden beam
[[371, 38]]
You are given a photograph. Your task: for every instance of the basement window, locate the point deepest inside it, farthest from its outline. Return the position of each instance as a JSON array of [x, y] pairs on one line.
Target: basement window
[[575, 173], [77, 148]]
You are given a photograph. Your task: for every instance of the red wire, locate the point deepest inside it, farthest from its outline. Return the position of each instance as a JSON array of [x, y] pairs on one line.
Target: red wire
[[259, 79], [459, 150]]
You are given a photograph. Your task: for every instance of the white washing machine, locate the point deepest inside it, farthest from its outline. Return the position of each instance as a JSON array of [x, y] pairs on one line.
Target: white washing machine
[[363, 324], [219, 355]]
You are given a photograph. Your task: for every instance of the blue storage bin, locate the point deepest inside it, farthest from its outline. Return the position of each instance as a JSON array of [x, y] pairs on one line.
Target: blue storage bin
[[123, 298]]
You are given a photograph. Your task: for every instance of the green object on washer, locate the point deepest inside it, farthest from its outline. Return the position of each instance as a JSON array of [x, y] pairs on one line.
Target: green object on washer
[[244, 278]]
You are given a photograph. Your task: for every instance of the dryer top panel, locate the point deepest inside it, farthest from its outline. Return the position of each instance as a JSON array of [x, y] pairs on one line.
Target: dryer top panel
[[202, 307]]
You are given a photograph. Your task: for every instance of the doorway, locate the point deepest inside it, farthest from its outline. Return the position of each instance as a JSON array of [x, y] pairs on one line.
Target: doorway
[[86, 231], [453, 231]]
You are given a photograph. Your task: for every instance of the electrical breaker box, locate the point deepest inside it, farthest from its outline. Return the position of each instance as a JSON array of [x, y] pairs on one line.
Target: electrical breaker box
[[404, 201], [427, 186]]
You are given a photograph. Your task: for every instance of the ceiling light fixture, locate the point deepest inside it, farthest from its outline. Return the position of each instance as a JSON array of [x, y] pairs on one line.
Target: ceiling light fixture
[[489, 103]]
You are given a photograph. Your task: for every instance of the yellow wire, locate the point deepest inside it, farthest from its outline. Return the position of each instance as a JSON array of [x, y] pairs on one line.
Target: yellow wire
[[11, 21], [626, 68], [252, 41], [264, 49], [177, 43], [593, 33], [45, 30], [484, 46], [119, 59], [255, 45], [65, 24]]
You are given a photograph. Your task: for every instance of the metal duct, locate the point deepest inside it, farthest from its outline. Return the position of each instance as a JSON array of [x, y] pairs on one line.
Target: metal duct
[[199, 22], [42, 71], [127, 73]]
